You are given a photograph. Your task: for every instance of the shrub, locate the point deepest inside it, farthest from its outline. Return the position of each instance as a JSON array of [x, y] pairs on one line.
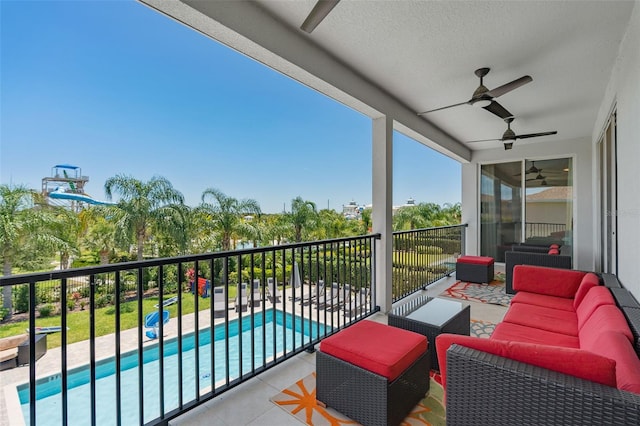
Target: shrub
[[22, 298], [429, 249], [4, 313], [46, 310], [71, 304], [103, 300]]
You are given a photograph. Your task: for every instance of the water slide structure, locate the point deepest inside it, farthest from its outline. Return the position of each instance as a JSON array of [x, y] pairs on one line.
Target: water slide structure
[[60, 194], [65, 187]]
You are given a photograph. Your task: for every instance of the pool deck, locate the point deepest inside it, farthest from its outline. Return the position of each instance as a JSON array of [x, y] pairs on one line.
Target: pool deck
[[252, 396]]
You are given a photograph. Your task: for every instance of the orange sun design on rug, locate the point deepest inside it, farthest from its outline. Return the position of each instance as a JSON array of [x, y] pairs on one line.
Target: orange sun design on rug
[[302, 398], [299, 400]]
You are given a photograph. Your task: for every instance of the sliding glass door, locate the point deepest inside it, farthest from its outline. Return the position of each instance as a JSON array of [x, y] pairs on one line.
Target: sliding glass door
[[549, 203], [500, 208], [528, 201]]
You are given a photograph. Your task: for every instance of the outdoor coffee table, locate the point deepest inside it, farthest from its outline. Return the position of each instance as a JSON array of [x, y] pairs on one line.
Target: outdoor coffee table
[[431, 317]]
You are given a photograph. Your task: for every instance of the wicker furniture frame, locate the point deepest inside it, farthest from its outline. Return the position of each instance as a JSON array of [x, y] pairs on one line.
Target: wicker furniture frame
[[486, 389], [513, 258], [368, 397], [475, 273], [460, 323], [24, 348]]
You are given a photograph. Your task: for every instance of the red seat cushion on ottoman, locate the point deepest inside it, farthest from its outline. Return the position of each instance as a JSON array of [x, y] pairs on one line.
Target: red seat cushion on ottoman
[[379, 348], [476, 260]]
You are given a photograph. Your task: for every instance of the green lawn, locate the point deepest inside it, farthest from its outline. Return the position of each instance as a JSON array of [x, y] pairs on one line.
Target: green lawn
[[78, 321]]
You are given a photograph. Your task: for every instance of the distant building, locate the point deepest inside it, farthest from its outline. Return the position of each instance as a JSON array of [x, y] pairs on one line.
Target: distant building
[[410, 203], [352, 210]]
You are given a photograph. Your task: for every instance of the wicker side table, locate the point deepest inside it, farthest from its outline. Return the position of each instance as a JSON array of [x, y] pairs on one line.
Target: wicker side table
[[432, 318]]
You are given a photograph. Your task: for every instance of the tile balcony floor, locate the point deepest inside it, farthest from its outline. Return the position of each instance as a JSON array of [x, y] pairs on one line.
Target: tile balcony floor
[[247, 404]]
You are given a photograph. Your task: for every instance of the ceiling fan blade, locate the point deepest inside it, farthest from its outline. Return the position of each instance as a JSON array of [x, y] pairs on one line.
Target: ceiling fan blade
[[497, 109], [440, 109], [535, 135], [483, 140], [506, 88], [318, 13]]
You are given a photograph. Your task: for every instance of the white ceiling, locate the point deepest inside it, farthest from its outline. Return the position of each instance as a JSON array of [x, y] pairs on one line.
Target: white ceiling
[[423, 54]]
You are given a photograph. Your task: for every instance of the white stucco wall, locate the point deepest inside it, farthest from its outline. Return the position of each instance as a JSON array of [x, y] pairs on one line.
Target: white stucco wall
[[624, 91], [578, 149]]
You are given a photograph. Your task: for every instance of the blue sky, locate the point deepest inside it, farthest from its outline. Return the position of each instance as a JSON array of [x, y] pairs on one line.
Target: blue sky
[[116, 88]]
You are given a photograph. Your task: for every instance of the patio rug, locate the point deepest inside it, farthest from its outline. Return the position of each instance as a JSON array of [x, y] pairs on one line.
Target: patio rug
[[492, 293], [299, 399]]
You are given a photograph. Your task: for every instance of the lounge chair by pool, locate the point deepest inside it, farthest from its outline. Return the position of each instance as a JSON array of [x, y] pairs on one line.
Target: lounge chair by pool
[[219, 300], [273, 291], [242, 299]]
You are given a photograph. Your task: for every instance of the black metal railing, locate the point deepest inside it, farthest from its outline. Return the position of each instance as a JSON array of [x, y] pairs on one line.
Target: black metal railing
[[423, 256], [229, 316], [540, 229]]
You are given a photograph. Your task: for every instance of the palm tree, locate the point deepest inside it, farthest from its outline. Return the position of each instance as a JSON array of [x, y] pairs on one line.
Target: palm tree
[[331, 224], [101, 237], [303, 216], [277, 228], [141, 205], [367, 221], [410, 217], [69, 228], [226, 213], [452, 213], [21, 224]]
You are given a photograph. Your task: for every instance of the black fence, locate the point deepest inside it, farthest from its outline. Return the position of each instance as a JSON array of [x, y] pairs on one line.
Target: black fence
[[161, 337], [423, 256], [540, 229]]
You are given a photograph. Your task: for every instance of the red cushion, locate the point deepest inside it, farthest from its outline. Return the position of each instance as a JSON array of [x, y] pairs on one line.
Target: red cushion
[[575, 362], [553, 251], [476, 260], [549, 281], [596, 297], [379, 348], [588, 281], [543, 318], [615, 345], [560, 303], [604, 318], [554, 246], [521, 333]]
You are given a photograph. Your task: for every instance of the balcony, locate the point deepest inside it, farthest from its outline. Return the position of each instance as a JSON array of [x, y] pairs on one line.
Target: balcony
[[312, 290], [378, 61]]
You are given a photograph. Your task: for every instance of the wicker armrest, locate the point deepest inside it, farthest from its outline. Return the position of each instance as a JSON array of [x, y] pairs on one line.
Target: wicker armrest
[[610, 280], [489, 389], [513, 258]]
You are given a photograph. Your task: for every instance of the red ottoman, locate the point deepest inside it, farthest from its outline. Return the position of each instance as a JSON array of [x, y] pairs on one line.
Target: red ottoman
[[475, 269], [372, 372]]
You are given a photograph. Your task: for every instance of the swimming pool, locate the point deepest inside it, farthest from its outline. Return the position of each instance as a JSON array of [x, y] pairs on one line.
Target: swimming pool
[[276, 326]]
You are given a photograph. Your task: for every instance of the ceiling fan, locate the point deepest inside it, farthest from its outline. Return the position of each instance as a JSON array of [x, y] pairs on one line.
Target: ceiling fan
[[484, 98], [533, 168], [317, 14], [539, 177], [510, 136]]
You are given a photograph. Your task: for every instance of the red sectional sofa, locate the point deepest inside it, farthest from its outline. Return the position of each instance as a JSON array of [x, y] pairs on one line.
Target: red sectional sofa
[[564, 354]]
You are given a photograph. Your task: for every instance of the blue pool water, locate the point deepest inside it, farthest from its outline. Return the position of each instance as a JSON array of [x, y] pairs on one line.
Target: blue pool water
[[48, 390]]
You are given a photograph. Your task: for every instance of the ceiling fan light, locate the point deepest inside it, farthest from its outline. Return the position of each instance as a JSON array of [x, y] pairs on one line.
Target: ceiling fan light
[[481, 103], [508, 145]]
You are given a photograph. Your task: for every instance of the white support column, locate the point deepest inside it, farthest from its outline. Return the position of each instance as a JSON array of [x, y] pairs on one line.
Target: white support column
[[383, 207]]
